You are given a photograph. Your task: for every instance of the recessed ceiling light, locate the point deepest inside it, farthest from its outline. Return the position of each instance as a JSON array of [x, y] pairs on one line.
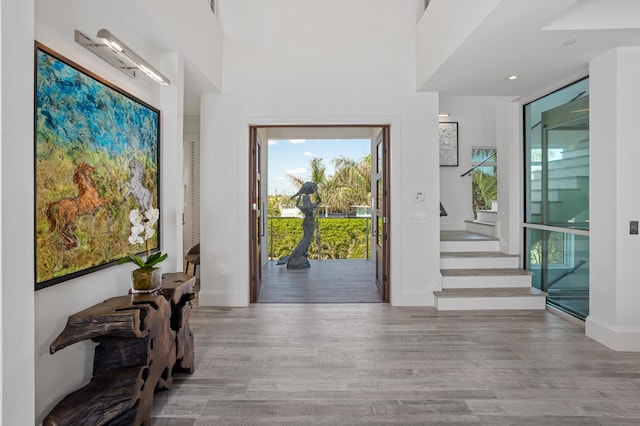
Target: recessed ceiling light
[[443, 114], [513, 77]]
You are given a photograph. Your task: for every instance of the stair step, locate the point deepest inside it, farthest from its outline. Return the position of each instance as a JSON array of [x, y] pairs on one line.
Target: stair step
[[485, 278], [580, 150], [556, 195], [481, 227], [478, 260], [568, 182], [567, 170], [486, 245], [484, 272], [489, 299], [487, 215]]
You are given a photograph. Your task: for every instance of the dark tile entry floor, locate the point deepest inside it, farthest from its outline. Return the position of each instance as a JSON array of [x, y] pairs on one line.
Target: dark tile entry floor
[[327, 281]]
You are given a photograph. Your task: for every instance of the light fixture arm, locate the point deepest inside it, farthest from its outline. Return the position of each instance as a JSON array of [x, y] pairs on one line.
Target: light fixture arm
[[120, 48], [121, 56]]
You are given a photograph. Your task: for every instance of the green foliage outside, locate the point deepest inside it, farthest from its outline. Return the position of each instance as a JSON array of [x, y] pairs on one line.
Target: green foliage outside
[[340, 238], [484, 178], [484, 188], [277, 201], [349, 186], [554, 248]]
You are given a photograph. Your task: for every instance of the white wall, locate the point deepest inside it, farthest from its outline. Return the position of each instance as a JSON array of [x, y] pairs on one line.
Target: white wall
[[334, 62], [614, 317], [441, 31], [476, 117], [58, 374], [1, 322], [188, 26], [191, 181], [510, 177], [17, 308]]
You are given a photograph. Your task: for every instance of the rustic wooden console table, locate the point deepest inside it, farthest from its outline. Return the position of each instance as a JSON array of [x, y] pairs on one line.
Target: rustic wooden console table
[[142, 339]]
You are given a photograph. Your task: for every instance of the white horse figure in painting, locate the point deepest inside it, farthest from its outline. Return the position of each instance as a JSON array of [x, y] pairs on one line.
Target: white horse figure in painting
[[135, 187]]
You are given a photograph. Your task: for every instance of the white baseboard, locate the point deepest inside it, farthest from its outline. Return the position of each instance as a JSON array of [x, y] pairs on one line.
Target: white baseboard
[[413, 299], [617, 338]]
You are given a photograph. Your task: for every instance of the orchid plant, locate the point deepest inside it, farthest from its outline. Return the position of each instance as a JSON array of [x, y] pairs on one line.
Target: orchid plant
[[142, 230]]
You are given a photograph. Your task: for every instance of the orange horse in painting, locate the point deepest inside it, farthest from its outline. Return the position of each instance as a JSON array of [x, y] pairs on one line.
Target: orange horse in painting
[[63, 213]]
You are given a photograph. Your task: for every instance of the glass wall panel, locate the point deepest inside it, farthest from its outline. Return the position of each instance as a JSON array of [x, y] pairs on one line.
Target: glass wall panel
[[557, 158], [556, 193], [560, 265]]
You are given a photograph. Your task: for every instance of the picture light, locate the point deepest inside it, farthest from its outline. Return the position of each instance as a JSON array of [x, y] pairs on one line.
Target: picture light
[[121, 56]]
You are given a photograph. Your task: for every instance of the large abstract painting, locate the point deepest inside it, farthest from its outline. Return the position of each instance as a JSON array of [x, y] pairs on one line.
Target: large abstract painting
[[96, 159], [448, 138]]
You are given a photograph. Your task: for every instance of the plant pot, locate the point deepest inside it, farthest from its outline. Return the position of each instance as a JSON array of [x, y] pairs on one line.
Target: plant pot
[[146, 280]]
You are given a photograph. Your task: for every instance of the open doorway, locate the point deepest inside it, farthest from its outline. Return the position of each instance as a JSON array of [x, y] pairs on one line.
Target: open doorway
[[333, 276]]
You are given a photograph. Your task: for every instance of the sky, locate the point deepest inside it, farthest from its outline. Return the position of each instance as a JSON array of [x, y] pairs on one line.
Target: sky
[[292, 156]]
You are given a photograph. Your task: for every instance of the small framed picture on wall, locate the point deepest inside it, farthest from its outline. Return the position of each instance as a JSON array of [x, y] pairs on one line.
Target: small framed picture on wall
[[448, 140]]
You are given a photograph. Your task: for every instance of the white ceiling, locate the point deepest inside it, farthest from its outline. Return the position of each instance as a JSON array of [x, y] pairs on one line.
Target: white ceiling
[[542, 41]]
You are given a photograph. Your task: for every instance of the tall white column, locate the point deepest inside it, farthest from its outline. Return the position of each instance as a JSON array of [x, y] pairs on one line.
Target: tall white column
[[614, 318], [172, 191], [509, 148], [17, 289]]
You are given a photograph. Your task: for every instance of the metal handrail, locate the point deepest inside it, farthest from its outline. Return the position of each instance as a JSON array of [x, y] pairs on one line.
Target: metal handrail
[[478, 165], [566, 273]]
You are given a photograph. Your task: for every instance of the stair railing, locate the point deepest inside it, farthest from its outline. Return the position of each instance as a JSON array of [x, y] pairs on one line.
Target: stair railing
[[478, 165], [566, 273]]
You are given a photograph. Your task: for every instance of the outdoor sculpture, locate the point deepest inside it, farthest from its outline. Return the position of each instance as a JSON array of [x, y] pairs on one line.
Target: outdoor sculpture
[[298, 258]]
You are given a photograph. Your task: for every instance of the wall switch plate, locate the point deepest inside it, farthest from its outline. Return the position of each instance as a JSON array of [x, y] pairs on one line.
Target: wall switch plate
[[633, 227]]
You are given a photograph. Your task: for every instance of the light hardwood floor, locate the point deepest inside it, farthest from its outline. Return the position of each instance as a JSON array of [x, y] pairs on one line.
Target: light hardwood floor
[[376, 364]]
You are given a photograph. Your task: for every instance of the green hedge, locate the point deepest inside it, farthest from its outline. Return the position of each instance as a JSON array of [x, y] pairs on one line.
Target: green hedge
[[340, 238]]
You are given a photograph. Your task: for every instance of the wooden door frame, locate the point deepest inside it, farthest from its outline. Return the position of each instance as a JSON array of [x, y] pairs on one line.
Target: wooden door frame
[[384, 234], [386, 132], [255, 257], [386, 141]]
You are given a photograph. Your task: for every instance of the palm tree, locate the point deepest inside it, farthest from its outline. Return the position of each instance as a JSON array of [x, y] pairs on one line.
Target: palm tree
[[351, 183], [484, 188], [318, 174]]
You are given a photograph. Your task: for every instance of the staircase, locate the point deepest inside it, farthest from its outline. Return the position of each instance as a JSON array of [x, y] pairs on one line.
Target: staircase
[[485, 224], [476, 276]]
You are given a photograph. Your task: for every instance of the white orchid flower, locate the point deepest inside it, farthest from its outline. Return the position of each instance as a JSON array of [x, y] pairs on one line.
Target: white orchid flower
[[137, 229], [135, 239], [152, 216], [135, 217], [149, 232], [143, 225]]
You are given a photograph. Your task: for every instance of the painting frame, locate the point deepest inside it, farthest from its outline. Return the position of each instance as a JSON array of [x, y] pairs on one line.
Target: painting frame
[[448, 143], [96, 158]]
